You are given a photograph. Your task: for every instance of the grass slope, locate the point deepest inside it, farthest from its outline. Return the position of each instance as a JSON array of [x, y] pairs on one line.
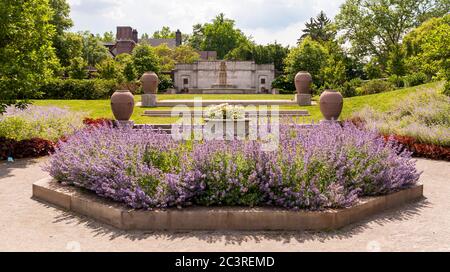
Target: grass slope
[[101, 108]]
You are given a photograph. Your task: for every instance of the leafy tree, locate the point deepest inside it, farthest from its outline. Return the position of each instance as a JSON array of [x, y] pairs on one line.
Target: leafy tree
[[220, 35], [197, 37], [165, 56], [93, 49], [396, 61], [72, 48], [333, 73], [185, 54], [262, 54], [77, 68], [245, 51], [277, 54], [125, 61], [428, 47], [373, 69], [168, 57], [109, 69], [167, 33], [107, 37], [27, 58], [374, 27], [145, 59], [62, 22], [164, 33], [354, 68], [309, 56], [319, 29]]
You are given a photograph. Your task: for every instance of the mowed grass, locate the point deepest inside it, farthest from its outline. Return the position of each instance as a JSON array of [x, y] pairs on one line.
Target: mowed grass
[[101, 108]]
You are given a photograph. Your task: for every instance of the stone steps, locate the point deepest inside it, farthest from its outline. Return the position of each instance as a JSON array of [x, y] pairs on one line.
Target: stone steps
[[248, 114], [205, 103]]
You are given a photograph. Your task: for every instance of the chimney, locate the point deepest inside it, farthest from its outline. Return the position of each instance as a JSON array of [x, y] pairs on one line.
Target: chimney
[[135, 36], [178, 40], [124, 33]]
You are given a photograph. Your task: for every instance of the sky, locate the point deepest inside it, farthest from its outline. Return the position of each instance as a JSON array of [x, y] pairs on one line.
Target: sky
[[265, 20]]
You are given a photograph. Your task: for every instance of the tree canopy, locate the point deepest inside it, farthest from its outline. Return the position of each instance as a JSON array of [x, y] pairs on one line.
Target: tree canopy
[[145, 59], [308, 56], [220, 35], [375, 27], [428, 47], [93, 49], [262, 54], [319, 28], [27, 57]]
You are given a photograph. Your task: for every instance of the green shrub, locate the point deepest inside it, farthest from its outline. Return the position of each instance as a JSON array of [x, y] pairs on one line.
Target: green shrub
[[415, 79], [78, 89], [284, 85], [376, 86], [447, 88], [349, 88], [165, 82], [48, 123], [397, 81]]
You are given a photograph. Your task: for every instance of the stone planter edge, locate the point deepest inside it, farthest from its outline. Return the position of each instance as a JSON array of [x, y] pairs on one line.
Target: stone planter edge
[[86, 203]]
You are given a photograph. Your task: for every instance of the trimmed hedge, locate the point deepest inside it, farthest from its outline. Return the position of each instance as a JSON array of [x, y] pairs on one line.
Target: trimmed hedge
[[87, 89]]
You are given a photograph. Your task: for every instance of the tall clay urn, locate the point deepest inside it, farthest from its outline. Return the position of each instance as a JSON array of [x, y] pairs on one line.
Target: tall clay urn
[[150, 83], [122, 105], [331, 103], [303, 82]]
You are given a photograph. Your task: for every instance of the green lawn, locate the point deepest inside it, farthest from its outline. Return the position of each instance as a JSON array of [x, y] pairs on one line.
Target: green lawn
[[101, 108]]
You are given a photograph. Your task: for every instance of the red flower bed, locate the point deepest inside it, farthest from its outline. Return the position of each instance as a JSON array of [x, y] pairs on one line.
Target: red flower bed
[[430, 151], [97, 122], [32, 148]]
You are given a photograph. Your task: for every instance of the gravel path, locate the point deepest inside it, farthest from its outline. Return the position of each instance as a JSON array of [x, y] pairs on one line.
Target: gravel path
[[29, 225]]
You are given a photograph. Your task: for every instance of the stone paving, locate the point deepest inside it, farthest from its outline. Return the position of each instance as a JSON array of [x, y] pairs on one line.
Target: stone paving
[[29, 225]]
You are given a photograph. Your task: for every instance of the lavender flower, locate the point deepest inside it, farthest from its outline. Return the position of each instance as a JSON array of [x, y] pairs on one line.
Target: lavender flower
[[325, 166]]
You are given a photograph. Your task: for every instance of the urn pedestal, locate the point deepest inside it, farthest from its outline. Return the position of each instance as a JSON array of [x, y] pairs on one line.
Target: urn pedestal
[[226, 129], [331, 103], [149, 100], [303, 99], [122, 105], [303, 81]]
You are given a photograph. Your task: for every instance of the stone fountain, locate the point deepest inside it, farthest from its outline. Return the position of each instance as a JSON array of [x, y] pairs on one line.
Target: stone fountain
[[223, 76]]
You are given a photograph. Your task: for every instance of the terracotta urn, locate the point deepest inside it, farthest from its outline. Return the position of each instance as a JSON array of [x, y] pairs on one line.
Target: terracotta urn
[[303, 82], [150, 83], [331, 103], [122, 105]]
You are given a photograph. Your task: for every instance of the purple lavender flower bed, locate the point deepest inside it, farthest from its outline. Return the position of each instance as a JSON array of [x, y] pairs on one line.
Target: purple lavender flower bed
[[328, 166]]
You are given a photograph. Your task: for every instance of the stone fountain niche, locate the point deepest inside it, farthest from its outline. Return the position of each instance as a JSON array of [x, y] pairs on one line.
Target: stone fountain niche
[[223, 78]]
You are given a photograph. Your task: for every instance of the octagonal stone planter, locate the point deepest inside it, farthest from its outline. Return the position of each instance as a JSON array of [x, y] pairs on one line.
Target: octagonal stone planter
[[118, 215]]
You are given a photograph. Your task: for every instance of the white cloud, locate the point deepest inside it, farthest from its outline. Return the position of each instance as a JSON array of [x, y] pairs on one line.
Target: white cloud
[[265, 20]]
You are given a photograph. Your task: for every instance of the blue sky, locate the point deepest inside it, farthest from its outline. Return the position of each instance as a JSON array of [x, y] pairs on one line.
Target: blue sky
[[265, 20]]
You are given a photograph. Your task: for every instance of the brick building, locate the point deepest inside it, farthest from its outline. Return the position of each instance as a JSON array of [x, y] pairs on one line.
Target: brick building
[[127, 39]]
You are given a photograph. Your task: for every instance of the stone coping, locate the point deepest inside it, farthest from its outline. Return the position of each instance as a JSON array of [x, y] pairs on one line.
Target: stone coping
[[86, 203]]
